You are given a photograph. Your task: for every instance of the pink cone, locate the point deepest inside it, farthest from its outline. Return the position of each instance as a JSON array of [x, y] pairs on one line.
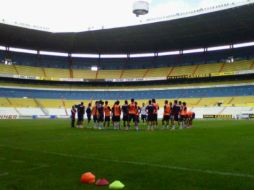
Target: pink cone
[[102, 182]]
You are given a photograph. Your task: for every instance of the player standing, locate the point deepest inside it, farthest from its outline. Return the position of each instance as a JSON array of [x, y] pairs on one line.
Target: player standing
[[166, 115], [81, 112], [116, 110], [143, 113], [156, 108], [125, 110], [100, 114], [132, 113], [190, 118], [150, 116], [94, 113], [171, 114], [175, 113], [183, 115], [137, 112], [88, 113], [73, 116], [107, 111]]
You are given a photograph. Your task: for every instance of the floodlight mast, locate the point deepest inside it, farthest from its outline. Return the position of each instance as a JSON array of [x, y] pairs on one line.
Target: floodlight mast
[[140, 8]]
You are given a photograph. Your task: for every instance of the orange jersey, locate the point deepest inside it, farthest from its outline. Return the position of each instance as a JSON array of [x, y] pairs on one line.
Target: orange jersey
[[132, 109], [156, 108], [190, 114], [167, 109], [183, 111], [116, 110], [107, 111], [94, 110]]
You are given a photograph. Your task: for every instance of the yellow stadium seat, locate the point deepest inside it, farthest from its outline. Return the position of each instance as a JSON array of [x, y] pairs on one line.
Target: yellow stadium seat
[[22, 102], [30, 71], [139, 73], [109, 74], [84, 74], [50, 103], [57, 73], [184, 70], [7, 69], [4, 102], [237, 66], [206, 69], [158, 72]]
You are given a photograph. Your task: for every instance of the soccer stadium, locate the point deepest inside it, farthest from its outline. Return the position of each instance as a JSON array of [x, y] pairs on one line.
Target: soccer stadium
[[164, 102]]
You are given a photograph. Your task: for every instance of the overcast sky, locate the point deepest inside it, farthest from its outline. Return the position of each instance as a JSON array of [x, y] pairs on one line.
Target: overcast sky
[[78, 15]]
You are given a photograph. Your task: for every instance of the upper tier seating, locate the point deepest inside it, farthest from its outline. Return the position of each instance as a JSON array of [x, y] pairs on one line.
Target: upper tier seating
[[7, 69], [109, 74], [56, 73], [84, 74], [206, 69], [237, 66], [30, 71]]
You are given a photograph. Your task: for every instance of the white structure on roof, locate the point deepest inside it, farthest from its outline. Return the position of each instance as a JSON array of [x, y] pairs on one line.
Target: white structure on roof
[[140, 8]]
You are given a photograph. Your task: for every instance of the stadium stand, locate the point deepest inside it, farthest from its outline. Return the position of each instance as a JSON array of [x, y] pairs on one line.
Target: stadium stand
[[55, 73], [30, 71], [206, 69], [109, 74], [245, 90], [84, 74], [158, 72], [139, 73], [8, 69]]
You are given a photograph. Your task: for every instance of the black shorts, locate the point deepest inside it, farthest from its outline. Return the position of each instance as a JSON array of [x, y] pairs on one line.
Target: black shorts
[[143, 117], [166, 117], [176, 117], [89, 117], [125, 118], [100, 118], [80, 118], [155, 116], [107, 118], [132, 117], [150, 117], [193, 116], [137, 118], [182, 117], [94, 118], [116, 118]]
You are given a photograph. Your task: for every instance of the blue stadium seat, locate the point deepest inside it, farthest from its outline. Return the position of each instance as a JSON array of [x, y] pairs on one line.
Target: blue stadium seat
[[112, 95]]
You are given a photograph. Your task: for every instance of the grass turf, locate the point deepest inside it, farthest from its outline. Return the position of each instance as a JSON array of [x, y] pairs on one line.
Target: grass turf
[[48, 154]]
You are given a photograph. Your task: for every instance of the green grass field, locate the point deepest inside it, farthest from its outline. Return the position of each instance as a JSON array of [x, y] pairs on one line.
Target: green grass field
[[48, 154]]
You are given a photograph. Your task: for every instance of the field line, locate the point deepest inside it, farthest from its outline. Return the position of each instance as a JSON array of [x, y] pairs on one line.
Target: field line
[[162, 166]]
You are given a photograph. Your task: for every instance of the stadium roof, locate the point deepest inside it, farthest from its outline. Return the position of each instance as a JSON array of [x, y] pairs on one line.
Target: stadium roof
[[229, 26]]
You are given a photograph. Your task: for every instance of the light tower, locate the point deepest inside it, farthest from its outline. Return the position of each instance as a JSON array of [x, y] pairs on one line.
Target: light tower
[[140, 7]]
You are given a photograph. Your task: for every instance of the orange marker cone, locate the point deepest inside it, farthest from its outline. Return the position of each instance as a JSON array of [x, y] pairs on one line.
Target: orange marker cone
[[88, 178]]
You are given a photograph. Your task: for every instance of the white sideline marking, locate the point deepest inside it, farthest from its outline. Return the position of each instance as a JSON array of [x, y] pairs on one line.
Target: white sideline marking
[[212, 172]]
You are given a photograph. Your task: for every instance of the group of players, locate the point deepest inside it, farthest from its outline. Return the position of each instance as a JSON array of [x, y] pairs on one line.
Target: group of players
[[174, 114]]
